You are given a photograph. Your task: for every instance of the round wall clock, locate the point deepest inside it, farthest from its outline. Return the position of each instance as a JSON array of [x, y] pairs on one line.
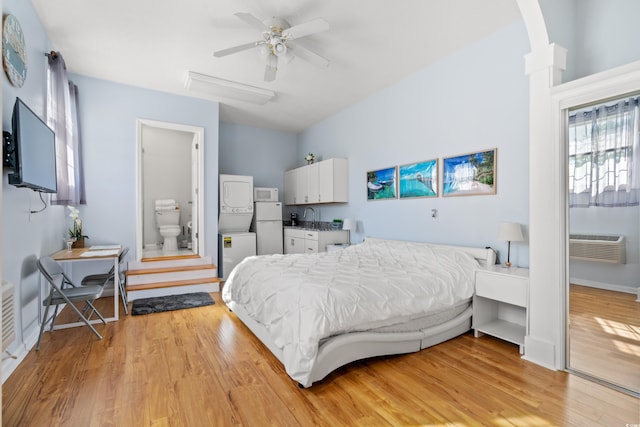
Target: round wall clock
[[14, 51]]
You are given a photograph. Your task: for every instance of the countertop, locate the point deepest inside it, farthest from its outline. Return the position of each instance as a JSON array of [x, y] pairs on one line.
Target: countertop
[[307, 225]]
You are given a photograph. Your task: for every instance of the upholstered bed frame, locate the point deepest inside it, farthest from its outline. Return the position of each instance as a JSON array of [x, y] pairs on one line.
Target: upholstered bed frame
[[340, 350]]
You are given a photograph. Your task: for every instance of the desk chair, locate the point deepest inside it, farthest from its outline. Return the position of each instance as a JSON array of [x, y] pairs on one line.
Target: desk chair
[[63, 291], [107, 278]]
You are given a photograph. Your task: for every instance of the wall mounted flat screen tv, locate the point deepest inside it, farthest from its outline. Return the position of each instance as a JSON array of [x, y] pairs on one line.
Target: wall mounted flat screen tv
[[34, 152]]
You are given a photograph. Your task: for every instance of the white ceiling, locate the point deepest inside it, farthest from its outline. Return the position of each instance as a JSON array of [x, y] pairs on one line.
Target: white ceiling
[[371, 45]]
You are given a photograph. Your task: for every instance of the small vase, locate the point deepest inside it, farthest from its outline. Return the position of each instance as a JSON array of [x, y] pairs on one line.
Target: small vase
[[79, 243], [310, 162]]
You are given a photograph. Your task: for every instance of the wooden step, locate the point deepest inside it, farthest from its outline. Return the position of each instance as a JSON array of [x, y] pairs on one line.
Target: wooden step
[[158, 285], [169, 262], [152, 277], [171, 269], [169, 258]]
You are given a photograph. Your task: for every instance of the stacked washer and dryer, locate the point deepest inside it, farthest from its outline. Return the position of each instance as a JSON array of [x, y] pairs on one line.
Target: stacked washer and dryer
[[235, 242]]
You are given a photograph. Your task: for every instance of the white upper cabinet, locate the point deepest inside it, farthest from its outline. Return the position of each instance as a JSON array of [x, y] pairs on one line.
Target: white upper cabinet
[[322, 182], [290, 187], [313, 183], [332, 181], [302, 192]]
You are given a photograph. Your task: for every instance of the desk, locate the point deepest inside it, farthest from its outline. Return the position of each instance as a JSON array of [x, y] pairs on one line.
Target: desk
[[86, 254]]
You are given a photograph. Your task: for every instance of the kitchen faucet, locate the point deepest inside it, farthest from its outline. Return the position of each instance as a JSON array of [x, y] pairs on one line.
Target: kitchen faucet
[[304, 215]]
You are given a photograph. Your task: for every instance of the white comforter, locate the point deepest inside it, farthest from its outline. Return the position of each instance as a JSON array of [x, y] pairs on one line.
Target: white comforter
[[301, 299]]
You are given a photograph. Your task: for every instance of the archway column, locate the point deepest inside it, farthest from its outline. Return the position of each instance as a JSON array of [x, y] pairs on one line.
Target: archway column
[[544, 66], [543, 344]]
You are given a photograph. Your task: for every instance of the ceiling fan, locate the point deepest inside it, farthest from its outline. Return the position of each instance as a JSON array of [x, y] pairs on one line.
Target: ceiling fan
[[277, 42]]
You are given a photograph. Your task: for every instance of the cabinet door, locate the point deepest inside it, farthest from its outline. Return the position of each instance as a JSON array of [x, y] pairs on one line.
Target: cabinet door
[[294, 245], [290, 187], [313, 183], [302, 194], [311, 246], [332, 181]]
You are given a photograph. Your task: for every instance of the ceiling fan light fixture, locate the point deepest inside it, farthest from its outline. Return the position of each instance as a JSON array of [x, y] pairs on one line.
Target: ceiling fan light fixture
[[277, 44], [279, 48], [227, 89]]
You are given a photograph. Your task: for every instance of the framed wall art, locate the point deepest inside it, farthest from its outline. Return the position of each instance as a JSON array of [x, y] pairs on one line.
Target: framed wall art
[[469, 174], [418, 179], [381, 184]]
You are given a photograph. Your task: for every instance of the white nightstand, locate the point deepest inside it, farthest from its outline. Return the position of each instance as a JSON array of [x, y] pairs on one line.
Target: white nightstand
[[500, 304]]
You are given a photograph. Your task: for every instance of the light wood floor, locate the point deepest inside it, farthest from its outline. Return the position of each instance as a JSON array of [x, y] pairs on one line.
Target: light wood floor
[[605, 335], [202, 367]]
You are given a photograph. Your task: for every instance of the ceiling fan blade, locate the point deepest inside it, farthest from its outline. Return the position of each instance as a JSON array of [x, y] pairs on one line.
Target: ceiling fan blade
[[271, 68], [309, 55], [252, 20], [315, 26], [235, 49]]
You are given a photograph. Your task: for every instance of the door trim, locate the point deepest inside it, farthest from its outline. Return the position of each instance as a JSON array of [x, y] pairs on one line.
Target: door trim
[[198, 135]]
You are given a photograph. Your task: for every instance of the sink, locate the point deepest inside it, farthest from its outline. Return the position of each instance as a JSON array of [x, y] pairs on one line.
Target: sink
[[321, 226]]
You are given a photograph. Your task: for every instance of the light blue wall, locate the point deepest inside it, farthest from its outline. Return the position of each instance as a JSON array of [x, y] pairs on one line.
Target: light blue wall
[[261, 153], [599, 35], [108, 112], [26, 237], [476, 99]]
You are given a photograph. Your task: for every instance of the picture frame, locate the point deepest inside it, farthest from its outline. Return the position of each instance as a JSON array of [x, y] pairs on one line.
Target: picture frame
[[470, 174], [382, 184], [418, 179]]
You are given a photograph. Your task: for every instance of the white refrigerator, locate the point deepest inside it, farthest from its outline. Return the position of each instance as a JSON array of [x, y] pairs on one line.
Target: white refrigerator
[[268, 227], [234, 248]]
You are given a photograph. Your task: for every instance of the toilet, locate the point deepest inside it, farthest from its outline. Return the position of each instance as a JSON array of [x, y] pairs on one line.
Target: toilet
[[168, 222]]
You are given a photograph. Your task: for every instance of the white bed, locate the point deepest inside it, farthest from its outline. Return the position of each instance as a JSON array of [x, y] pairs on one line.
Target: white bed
[[317, 312]]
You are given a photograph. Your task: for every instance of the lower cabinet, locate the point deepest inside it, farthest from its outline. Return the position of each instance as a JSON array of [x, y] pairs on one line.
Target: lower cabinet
[[293, 241], [298, 241]]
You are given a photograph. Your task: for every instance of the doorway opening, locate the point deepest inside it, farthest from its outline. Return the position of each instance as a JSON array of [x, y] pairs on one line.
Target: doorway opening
[[169, 174], [603, 214]]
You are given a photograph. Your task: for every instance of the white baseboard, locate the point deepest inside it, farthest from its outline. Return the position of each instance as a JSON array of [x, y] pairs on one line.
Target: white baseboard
[[10, 364], [540, 352], [605, 286]]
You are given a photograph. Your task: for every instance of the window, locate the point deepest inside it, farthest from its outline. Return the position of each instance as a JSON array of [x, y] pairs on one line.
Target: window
[[62, 117], [603, 155]]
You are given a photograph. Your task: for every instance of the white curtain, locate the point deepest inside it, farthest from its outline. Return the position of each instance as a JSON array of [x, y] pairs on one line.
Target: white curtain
[[604, 155], [62, 117]]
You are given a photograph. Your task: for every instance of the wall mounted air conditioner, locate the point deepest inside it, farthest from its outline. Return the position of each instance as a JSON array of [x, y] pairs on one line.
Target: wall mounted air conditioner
[[589, 247]]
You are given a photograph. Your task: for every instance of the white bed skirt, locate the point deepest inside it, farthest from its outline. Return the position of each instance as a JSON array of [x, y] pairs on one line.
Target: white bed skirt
[[342, 349]]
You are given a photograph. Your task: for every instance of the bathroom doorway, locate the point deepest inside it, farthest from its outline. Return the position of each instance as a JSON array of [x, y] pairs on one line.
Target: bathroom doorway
[[170, 159]]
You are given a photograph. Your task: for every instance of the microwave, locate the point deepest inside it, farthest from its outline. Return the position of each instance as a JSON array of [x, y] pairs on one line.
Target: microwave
[[263, 194]]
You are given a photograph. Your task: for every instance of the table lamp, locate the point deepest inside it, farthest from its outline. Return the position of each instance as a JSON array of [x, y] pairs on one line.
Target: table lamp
[[349, 224], [511, 232]]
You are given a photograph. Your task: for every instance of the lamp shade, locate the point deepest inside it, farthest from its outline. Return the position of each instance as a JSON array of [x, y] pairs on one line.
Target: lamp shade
[[510, 232], [349, 224]]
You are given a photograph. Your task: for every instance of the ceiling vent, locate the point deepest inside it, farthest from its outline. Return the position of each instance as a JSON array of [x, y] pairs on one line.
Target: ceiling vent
[[221, 88]]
